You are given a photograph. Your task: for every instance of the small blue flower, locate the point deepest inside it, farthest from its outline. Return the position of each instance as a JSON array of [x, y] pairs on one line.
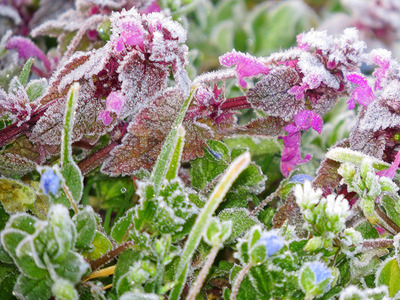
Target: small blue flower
[[49, 182], [272, 241], [320, 271], [300, 178]]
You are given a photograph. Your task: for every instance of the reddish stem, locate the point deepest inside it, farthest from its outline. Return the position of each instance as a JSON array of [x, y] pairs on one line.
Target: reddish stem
[[13, 131], [96, 159], [235, 103], [95, 264]]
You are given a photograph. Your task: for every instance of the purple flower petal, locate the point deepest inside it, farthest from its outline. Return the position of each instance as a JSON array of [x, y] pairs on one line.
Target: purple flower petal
[[105, 117], [246, 65], [115, 102], [26, 49], [392, 169], [363, 94], [381, 58]]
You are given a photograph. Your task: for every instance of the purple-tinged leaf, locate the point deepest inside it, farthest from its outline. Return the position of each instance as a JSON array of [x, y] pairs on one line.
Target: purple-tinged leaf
[[271, 96], [141, 82], [142, 144]]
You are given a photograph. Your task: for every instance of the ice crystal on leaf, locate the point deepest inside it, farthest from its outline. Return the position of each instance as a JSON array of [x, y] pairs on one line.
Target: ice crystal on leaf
[[15, 103]]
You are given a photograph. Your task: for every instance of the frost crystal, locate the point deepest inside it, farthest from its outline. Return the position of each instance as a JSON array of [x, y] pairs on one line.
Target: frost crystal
[[246, 65]]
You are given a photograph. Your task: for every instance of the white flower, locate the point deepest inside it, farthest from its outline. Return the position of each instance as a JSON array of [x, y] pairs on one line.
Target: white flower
[[337, 209], [306, 196]]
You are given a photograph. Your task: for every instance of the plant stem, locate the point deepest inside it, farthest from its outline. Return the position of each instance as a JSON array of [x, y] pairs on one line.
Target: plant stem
[[95, 264], [239, 279], [203, 273], [237, 166], [235, 103], [389, 222], [263, 203], [70, 198], [96, 159]]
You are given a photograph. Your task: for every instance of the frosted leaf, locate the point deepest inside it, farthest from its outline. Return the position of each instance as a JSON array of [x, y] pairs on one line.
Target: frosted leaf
[[352, 292], [66, 69], [349, 47], [49, 127], [291, 213], [270, 126], [317, 40], [220, 75], [271, 94], [16, 102], [196, 135], [141, 83], [142, 144], [379, 117], [95, 63], [315, 72], [11, 165], [9, 12], [368, 142], [24, 148]]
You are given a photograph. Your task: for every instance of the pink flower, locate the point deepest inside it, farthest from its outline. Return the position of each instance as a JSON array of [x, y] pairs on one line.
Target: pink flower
[[298, 91], [114, 104], [392, 169], [304, 120], [246, 65], [363, 94], [153, 7], [26, 49], [381, 58], [291, 155], [131, 35]]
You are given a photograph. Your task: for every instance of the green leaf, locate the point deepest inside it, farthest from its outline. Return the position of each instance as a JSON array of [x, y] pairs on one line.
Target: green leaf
[[35, 89], [346, 155], [175, 162], [16, 196], [69, 169], [101, 245], [85, 222], [391, 208], [120, 228], [389, 275], [26, 70], [11, 239], [125, 260], [231, 174], [30, 289], [7, 282], [367, 230], [23, 222], [241, 222], [73, 267], [64, 290], [167, 151]]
